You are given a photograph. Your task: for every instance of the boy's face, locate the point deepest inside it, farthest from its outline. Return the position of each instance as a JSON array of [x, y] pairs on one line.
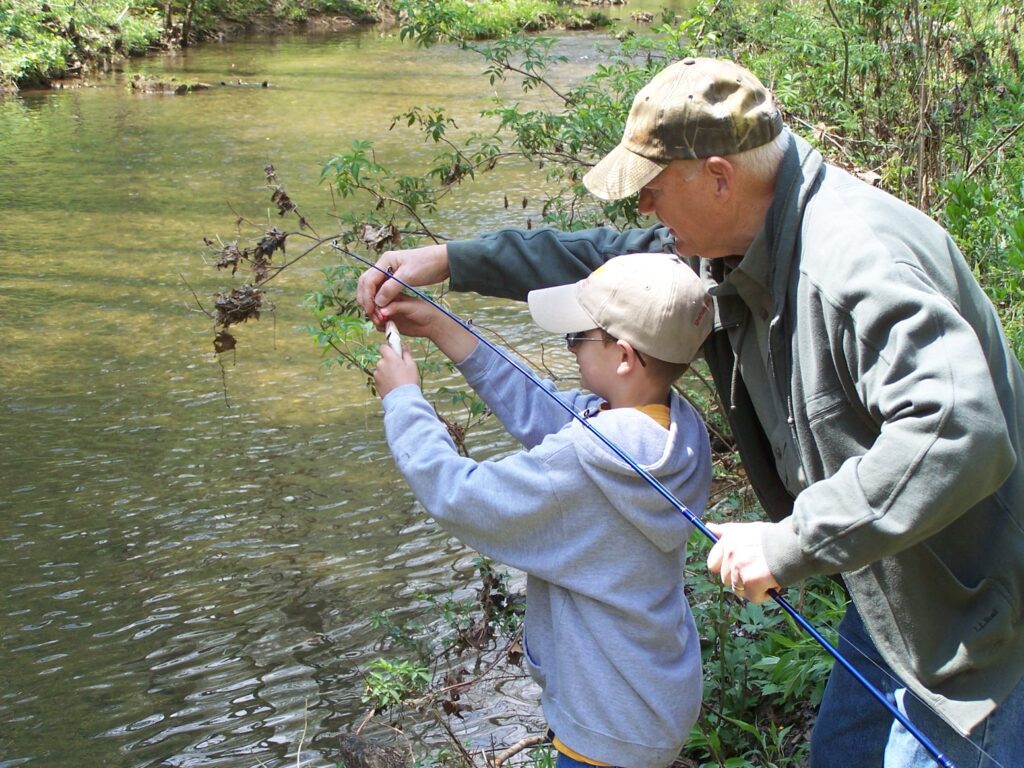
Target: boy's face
[[598, 360]]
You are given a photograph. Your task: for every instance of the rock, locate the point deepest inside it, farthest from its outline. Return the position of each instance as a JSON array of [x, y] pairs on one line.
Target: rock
[[360, 752], [143, 84]]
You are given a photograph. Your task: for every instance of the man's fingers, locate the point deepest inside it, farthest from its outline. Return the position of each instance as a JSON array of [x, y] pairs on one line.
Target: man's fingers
[[736, 582], [715, 558], [372, 281], [387, 292], [367, 287]]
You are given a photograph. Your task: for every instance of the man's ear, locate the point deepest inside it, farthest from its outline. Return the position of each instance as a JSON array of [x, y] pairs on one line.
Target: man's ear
[[723, 175]]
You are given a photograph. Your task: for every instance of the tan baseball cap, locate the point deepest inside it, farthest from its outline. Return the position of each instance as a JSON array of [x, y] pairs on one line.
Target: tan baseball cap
[[692, 109], [652, 300]]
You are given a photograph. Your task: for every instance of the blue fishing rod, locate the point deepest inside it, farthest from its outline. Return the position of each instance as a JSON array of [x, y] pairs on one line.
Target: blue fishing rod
[[783, 603]]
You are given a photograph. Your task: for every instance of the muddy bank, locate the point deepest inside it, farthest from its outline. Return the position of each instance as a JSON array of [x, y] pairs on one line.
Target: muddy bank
[[228, 29], [102, 49]]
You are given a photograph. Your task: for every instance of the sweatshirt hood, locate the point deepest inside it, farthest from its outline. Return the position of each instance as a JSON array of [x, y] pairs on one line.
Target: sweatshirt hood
[[683, 469]]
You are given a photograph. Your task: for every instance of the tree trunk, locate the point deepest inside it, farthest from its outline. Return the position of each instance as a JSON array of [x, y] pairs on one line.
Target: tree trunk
[[186, 31]]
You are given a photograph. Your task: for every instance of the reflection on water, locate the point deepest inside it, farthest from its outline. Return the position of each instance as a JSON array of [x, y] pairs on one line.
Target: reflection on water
[[190, 555]]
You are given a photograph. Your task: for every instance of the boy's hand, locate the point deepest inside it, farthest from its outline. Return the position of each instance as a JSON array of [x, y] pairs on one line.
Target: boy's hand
[[393, 371]]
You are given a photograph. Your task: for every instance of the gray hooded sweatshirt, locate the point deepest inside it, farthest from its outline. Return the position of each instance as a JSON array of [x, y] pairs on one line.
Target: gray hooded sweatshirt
[[609, 634]]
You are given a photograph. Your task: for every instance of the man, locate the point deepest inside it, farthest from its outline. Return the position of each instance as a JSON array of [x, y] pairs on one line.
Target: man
[[877, 406]]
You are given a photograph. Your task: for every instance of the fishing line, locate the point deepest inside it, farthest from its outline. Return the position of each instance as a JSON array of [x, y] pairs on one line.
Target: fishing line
[[803, 623], [888, 673]]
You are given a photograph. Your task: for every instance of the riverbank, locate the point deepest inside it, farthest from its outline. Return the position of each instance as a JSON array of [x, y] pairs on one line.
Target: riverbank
[[46, 43], [43, 43]]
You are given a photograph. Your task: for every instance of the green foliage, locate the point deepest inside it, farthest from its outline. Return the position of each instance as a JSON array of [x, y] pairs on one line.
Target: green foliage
[[207, 15], [403, 636], [763, 675], [432, 21], [39, 41], [448, 629], [389, 683], [543, 757]]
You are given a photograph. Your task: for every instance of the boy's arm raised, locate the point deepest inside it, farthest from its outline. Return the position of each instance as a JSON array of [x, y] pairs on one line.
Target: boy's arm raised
[[415, 317], [526, 412]]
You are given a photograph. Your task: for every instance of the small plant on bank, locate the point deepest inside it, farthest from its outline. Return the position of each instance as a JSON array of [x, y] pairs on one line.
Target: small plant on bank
[[388, 683]]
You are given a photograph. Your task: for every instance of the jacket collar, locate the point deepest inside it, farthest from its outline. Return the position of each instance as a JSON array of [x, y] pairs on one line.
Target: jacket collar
[[799, 175]]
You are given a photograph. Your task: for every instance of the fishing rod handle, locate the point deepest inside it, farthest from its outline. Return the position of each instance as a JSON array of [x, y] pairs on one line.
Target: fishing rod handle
[[393, 337]]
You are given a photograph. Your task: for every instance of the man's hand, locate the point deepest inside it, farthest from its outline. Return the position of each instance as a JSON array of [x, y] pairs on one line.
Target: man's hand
[[393, 371], [416, 266], [738, 558]]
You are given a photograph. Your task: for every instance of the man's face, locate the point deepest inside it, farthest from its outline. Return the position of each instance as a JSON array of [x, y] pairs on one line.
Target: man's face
[[682, 198]]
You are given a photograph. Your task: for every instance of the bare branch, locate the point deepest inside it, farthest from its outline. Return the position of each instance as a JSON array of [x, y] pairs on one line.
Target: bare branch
[[196, 297], [519, 746], [977, 166]]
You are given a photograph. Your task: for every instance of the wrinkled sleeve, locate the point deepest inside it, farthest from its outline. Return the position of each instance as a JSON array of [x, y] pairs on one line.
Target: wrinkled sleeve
[[505, 509], [512, 262], [943, 443], [528, 407]]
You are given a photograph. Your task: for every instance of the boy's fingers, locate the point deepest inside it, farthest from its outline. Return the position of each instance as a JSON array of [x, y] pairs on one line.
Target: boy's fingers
[[389, 354]]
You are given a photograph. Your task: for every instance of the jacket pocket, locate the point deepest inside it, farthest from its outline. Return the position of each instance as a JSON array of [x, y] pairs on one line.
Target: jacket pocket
[[838, 430], [956, 626], [532, 663]]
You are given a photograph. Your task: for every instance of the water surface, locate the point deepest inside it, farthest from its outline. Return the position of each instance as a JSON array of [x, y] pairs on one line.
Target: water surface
[[190, 547]]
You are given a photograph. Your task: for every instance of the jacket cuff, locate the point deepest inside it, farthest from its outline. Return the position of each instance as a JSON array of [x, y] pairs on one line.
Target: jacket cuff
[[786, 560], [462, 256]]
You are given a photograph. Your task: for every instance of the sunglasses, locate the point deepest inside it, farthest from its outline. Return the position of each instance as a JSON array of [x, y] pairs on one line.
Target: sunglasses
[[572, 339]]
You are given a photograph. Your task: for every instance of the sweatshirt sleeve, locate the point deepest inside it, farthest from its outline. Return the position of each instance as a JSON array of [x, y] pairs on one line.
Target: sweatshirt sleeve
[[512, 262], [529, 412], [505, 509]]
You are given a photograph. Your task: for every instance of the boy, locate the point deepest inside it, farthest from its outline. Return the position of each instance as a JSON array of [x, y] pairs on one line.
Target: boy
[[609, 635]]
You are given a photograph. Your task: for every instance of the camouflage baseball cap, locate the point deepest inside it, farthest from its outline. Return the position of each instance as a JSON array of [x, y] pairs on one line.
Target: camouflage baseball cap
[[692, 109]]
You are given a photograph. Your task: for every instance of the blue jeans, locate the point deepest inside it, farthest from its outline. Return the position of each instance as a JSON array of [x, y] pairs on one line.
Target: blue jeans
[[998, 740], [854, 730], [564, 761]]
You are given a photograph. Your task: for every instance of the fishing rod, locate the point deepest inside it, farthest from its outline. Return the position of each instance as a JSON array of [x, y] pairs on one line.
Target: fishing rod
[[783, 603]]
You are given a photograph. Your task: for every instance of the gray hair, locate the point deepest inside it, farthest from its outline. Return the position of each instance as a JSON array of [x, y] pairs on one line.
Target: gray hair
[[762, 163]]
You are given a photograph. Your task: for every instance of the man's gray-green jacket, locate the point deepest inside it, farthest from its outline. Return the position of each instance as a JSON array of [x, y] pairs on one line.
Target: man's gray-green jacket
[[887, 419]]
